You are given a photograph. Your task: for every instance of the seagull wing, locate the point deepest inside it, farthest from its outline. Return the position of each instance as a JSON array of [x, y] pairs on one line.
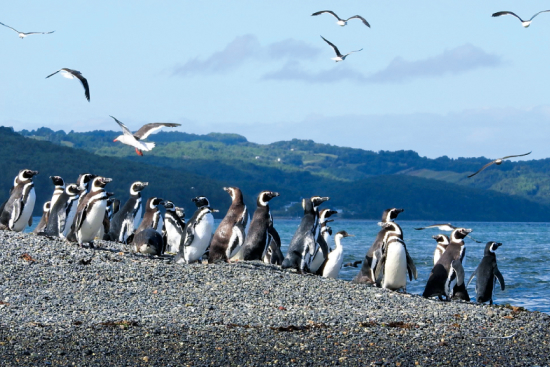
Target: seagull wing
[[10, 27], [334, 47], [360, 17], [53, 73], [327, 11], [500, 13], [38, 33], [125, 130], [349, 53], [544, 11], [520, 155], [442, 227], [482, 168], [84, 82], [148, 129]]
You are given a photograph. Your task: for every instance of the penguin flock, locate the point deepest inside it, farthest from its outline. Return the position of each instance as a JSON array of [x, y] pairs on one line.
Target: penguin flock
[[84, 212]]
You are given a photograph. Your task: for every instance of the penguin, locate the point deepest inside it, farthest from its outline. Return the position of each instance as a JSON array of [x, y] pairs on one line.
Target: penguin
[[90, 211], [152, 217], [440, 272], [59, 188], [261, 231], [148, 242], [44, 220], [230, 234], [323, 237], [366, 274], [303, 244], [62, 213], [458, 291], [442, 243], [124, 221], [198, 233], [16, 211], [335, 257], [174, 228], [394, 260], [486, 272], [83, 181]]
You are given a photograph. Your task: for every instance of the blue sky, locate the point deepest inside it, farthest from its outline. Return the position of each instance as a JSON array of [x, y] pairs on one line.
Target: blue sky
[[438, 77]]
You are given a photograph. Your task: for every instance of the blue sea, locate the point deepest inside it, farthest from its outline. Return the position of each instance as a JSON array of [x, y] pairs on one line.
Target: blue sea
[[523, 259]]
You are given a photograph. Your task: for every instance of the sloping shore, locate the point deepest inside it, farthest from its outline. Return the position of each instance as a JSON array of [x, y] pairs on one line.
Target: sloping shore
[[60, 304]]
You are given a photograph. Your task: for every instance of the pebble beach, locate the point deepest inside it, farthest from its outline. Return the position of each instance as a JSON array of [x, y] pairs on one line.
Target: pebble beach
[[62, 305]]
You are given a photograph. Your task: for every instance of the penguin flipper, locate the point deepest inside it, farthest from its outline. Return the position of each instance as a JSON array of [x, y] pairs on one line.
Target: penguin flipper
[[500, 278], [274, 235], [79, 218], [471, 277], [30, 221], [411, 267], [236, 240], [378, 271], [324, 246], [17, 210]]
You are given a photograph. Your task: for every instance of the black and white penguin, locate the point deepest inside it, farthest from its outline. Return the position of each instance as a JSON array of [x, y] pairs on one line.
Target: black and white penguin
[[335, 257], [59, 188], [440, 272], [152, 217], [16, 211], [230, 234], [394, 260], [44, 220], [124, 221], [84, 181], [303, 244], [261, 231], [456, 286], [486, 272], [198, 233], [173, 230], [442, 243], [323, 242], [148, 242], [63, 212], [366, 275], [91, 211]]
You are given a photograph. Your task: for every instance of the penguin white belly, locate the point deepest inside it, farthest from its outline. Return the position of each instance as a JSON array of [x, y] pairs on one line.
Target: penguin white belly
[[395, 270], [137, 218], [23, 221], [174, 238], [70, 219], [94, 219], [160, 224], [334, 263], [203, 235], [437, 255]]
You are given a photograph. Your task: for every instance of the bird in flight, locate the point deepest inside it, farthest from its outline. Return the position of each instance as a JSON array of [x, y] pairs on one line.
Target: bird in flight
[[448, 227], [135, 139], [342, 22], [339, 56], [497, 162], [71, 74], [23, 34], [524, 23]]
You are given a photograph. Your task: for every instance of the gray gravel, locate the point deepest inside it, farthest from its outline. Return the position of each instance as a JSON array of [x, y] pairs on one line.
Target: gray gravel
[[61, 304]]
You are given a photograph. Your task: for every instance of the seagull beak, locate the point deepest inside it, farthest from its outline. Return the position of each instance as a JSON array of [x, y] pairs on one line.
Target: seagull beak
[[115, 140]]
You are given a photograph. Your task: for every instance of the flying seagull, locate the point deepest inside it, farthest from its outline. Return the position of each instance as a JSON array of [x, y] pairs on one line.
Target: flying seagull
[[497, 162], [23, 34], [71, 74], [524, 23], [448, 227], [339, 56], [134, 139], [342, 22]]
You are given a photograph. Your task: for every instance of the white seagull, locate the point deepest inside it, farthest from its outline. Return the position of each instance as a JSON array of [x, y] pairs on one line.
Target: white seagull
[[497, 162], [339, 56], [134, 139], [448, 227], [25, 34], [71, 74], [342, 22], [524, 23]]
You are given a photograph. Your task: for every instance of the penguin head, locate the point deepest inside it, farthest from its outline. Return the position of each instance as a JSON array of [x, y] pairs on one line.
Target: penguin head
[[168, 205], [99, 183], [324, 214], [441, 239], [57, 181], [84, 179], [180, 212], [234, 192], [137, 186], [265, 196], [460, 233], [318, 200], [491, 247], [73, 190], [201, 201], [47, 206], [26, 174], [390, 214], [153, 202]]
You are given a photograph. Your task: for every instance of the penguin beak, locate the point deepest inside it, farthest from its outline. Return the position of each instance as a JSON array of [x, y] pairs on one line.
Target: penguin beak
[[34, 173], [106, 180], [498, 244], [435, 237]]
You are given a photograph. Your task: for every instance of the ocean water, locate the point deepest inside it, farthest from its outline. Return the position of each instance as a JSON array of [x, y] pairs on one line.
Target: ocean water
[[523, 259]]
